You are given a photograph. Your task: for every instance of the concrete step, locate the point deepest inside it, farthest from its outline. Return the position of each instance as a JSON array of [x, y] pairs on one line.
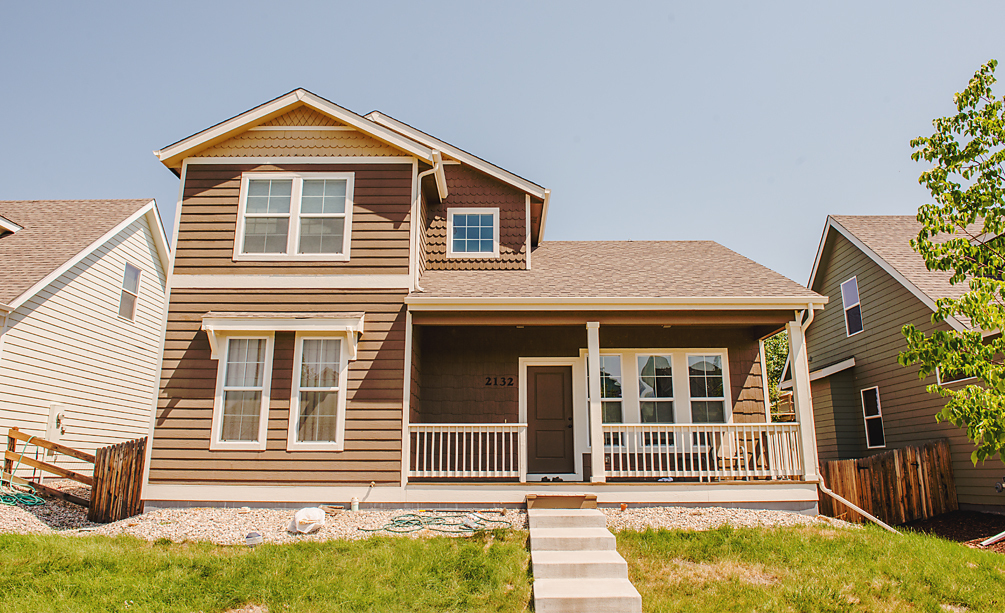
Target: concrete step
[[572, 539], [586, 596], [566, 518], [578, 565]]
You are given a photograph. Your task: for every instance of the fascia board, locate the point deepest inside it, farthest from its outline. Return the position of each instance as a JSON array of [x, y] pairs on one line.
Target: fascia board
[[8, 225], [160, 237], [889, 269], [52, 276], [6, 307], [419, 303], [823, 372], [172, 154], [458, 154]]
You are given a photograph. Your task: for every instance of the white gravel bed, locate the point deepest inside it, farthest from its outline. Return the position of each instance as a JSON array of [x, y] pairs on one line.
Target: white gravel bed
[[708, 518]]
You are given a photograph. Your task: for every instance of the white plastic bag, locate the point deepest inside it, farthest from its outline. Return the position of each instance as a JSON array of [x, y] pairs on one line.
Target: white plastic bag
[[307, 520]]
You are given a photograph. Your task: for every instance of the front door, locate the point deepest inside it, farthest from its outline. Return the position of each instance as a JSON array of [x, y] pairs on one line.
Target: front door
[[549, 419]]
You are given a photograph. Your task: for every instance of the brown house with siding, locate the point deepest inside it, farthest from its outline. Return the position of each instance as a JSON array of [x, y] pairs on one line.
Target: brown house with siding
[[864, 401], [360, 309]]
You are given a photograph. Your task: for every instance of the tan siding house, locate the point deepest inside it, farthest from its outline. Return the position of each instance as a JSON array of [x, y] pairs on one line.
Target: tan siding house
[[75, 365], [358, 309], [849, 368]]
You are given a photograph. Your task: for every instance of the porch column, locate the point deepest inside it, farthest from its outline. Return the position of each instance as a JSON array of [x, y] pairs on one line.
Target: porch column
[[802, 397], [598, 474]]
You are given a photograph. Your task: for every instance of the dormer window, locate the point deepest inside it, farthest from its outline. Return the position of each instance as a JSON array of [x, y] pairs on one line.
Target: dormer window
[[473, 233], [294, 216]]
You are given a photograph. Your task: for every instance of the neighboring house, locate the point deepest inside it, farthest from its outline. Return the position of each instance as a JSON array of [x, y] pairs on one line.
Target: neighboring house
[[82, 286], [360, 309], [864, 401]]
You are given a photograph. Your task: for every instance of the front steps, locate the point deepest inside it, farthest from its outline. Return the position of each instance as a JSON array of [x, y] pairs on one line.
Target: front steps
[[577, 568]]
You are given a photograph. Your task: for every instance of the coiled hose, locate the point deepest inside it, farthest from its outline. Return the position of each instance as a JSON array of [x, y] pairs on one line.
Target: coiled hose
[[10, 496], [451, 523]]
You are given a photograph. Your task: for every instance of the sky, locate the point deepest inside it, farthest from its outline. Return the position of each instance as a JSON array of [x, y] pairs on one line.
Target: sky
[[746, 123]]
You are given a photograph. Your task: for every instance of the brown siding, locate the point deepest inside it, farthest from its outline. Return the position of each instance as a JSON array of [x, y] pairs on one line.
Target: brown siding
[[373, 416], [908, 410], [380, 224], [470, 188], [456, 359]]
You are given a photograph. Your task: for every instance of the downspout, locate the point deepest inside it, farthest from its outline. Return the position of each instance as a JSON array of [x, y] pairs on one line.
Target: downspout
[[441, 188], [820, 483]]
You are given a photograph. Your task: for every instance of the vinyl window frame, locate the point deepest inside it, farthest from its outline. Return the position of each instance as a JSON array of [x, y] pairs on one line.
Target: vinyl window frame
[[215, 442], [494, 211], [938, 378], [136, 295], [727, 404], [293, 231], [292, 444], [847, 307], [879, 416]]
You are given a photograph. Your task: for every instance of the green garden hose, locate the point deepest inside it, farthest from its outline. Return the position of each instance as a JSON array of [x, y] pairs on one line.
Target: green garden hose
[[451, 523], [10, 496]]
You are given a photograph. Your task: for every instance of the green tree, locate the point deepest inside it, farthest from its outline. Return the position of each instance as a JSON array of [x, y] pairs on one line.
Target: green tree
[[962, 233], [776, 350]]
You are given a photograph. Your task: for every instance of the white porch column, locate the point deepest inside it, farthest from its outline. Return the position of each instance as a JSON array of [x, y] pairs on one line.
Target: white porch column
[[598, 474], [802, 397]]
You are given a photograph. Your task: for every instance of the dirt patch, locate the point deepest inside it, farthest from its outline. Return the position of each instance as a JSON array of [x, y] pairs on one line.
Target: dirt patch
[[685, 571], [967, 527]]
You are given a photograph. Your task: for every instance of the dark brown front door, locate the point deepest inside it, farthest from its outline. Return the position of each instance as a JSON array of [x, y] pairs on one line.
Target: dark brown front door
[[549, 419]]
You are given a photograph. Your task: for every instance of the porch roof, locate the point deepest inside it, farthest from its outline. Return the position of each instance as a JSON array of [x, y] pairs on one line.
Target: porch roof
[[667, 274]]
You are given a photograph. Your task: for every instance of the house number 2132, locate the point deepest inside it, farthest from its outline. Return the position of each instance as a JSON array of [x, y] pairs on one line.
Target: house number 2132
[[499, 381]]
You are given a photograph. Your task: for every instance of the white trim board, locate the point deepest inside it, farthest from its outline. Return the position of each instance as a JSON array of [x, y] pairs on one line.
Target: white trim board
[[875, 257], [820, 373], [266, 281], [301, 160]]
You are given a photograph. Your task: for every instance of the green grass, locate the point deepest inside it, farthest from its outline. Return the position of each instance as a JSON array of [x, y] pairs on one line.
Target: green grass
[[487, 572], [810, 569]]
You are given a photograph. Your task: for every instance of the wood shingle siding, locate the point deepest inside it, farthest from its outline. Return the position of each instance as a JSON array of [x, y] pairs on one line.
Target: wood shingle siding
[[67, 345], [380, 224], [908, 409], [470, 188], [301, 143], [374, 395]]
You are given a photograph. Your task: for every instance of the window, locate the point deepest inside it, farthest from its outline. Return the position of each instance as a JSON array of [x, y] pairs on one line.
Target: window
[[852, 306], [473, 233], [130, 292], [611, 396], [317, 403], [242, 399], [874, 435], [291, 216], [705, 379], [656, 389], [950, 377]]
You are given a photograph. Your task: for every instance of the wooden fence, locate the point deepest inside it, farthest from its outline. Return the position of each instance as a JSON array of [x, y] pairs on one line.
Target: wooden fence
[[896, 486], [115, 483]]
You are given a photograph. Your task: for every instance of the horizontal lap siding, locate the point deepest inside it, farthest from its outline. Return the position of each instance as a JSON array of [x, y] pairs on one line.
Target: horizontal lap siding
[[374, 401], [908, 409], [380, 225], [470, 188]]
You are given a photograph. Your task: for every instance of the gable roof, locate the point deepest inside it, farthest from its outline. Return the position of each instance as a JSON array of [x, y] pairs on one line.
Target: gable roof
[[886, 240], [56, 234], [663, 274], [173, 154]]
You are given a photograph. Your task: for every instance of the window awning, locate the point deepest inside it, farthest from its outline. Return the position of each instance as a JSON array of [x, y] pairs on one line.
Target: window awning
[[219, 325]]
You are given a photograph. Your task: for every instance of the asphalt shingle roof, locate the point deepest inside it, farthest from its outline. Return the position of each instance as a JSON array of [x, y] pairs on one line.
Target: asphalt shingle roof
[[620, 269], [53, 231]]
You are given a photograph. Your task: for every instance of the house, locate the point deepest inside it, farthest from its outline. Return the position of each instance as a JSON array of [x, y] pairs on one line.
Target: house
[[82, 298], [358, 309], [864, 401]]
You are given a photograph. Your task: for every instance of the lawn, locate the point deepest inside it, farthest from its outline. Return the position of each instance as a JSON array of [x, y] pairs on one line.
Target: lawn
[[67, 574], [810, 569]]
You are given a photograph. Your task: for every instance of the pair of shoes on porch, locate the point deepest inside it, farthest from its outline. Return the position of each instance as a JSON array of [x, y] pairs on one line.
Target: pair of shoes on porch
[[551, 479]]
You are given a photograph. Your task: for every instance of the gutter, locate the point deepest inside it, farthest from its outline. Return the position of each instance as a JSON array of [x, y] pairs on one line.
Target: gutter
[[6, 307]]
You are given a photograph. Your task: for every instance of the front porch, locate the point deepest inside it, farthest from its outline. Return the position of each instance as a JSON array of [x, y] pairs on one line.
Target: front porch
[[669, 405]]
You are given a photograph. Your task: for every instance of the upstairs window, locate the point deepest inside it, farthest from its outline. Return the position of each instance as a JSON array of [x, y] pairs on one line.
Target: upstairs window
[[852, 306], [873, 414], [130, 292], [473, 233], [291, 216]]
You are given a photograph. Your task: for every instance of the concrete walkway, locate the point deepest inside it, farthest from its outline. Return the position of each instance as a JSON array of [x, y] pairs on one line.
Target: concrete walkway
[[576, 566]]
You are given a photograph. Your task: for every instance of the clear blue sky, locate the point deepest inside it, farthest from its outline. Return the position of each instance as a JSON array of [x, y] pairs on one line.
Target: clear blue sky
[[743, 123]]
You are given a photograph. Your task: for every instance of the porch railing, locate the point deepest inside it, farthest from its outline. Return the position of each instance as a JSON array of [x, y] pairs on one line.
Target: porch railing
[[468, 451], [703, 451]]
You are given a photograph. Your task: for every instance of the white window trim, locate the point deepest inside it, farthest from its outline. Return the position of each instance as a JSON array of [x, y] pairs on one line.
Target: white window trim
[[216, 443], [293, 235], [727, 404], [938, 377], [494, 211], [139, 284], [845, 307], [879, 416], [344, 357]]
